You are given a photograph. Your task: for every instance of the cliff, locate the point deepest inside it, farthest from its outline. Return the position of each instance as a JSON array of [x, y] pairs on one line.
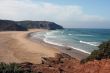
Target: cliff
[[40, 24], [7, 25], [63, 63]]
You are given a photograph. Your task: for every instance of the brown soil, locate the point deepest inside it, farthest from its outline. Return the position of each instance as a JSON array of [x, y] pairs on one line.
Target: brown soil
[[64, 63]]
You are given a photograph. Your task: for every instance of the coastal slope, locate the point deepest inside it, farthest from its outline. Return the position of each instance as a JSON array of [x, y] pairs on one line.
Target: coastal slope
[[64, 63]]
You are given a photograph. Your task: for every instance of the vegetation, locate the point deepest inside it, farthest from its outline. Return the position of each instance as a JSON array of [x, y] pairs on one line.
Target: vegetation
[[102, 53], [11, 68]]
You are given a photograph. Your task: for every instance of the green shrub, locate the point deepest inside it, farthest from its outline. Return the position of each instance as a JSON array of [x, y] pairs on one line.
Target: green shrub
[[102, 53], [12, 68]]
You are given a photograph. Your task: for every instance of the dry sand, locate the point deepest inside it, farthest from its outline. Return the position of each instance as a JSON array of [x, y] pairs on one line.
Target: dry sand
[[16, 47]]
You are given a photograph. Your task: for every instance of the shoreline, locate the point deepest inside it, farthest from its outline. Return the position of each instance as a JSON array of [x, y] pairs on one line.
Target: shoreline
[[75, 53], [16, 47], [19, 47]]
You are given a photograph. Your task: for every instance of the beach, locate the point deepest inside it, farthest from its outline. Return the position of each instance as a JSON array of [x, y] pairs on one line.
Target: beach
[[18, 47]]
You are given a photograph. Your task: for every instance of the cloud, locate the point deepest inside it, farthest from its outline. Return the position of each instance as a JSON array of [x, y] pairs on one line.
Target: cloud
[[30, 10]]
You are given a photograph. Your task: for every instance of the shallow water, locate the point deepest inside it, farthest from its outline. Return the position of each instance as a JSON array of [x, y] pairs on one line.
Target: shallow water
[[85, 40]]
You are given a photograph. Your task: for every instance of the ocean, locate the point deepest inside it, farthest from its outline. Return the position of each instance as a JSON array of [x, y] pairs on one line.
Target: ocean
[[85, 40]]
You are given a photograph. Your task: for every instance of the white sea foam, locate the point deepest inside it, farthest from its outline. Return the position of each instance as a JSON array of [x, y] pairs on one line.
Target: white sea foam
[[57, 44], [80, 50], [51, 32], [36, 35], [83, 35], [69, 34], [72, 39], [90, 43], [53, 43], [48, 35]]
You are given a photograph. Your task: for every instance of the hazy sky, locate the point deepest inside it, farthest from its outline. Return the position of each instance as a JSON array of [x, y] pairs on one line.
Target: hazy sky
[[69, 13]]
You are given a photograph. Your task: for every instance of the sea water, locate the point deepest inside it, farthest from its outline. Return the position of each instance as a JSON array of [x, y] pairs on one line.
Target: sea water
[[85, 40]]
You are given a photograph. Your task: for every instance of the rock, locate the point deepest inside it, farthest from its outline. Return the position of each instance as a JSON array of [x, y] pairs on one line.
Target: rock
[[69, 49], [63, 55], [64, 63], [50, 61]]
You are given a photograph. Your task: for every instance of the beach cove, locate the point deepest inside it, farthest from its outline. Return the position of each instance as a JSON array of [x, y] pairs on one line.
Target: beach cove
[[18, 47]]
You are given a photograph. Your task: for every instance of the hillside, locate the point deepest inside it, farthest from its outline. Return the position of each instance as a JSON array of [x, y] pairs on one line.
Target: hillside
[[40, 24], [102, 53], [7, 25], [62, 63], [66, 64]]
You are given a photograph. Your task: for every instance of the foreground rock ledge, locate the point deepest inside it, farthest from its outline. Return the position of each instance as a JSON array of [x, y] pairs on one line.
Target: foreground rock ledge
[[64, 63]]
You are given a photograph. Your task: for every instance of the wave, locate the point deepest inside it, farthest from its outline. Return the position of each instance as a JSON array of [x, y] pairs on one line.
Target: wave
[[52, 32], [38, 35], [50, 36], [69, 34], [57, 44], [90, 43], [83, 35], [53, 43], [80, 50]]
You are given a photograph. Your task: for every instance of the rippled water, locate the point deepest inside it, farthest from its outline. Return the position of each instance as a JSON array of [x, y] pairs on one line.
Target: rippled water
[[85, 40]]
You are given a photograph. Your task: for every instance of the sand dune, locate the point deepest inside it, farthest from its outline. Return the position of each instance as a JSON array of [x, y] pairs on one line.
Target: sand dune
[[15, 46]]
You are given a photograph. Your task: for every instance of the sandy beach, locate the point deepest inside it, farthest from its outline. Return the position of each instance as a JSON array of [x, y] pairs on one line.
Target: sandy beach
[[16, 47]]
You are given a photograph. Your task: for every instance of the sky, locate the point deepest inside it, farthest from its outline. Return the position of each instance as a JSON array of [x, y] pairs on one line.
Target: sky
[[68, 13]]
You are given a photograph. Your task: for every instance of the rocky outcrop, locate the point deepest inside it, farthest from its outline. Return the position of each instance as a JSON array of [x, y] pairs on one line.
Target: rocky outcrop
[[7, 25], [96, 66], [40, 24], [64, 63]]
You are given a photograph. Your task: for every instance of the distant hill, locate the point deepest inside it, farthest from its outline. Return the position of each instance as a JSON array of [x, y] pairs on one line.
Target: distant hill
[[40, 24], [7, 25]]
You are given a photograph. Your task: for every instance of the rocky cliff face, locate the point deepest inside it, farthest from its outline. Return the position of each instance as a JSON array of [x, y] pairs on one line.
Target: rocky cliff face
[[40, 24], [7, 25], [101, 66], [64, 63]]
